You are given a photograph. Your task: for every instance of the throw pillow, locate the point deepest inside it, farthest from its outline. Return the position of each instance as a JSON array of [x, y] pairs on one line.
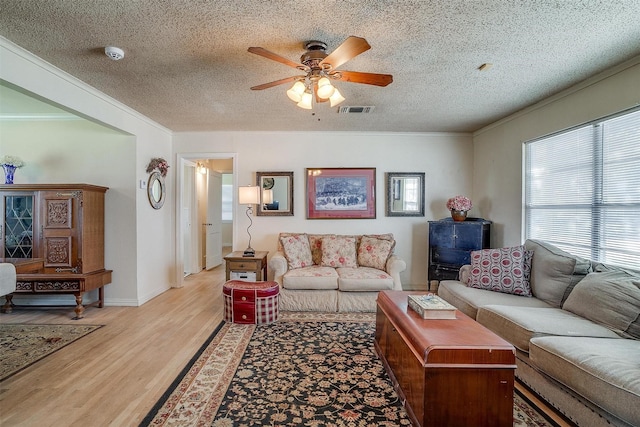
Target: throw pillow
[[610, 298], [502, 270], [554, 272], [374, 252], [339, 251], [315, 241], [297, 250]]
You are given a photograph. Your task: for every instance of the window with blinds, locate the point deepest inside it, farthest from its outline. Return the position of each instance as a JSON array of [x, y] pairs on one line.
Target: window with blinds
[[582, 190]]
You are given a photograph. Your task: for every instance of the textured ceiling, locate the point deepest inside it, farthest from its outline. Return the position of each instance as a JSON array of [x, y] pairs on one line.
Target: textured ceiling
[[186, 63]]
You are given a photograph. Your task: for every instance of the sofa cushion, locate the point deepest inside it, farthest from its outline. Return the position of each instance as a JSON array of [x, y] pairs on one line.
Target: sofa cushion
[[603, 370], [296, 250], [610, 298], [363, 279], [374, 252], [468, 299], [386, 236], [518, 325], [339, 251], [314, 277], [501, 270], [554, 272]]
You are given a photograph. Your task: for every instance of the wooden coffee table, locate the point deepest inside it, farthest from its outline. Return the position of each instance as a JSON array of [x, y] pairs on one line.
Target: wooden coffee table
[[447, 371]]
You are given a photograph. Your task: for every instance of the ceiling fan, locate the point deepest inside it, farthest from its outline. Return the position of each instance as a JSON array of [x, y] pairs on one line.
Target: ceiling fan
[[320, 68]]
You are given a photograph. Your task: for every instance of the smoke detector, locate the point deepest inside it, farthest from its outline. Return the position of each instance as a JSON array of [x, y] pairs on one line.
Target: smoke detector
[[114, 53]]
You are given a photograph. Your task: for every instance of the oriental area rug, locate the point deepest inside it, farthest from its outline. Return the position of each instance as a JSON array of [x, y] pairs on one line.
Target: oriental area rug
[[307, 369], [22, 345]]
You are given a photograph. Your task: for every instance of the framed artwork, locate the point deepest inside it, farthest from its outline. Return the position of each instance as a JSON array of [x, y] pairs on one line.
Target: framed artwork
[[276, 193], [405, 194], [341, 193]]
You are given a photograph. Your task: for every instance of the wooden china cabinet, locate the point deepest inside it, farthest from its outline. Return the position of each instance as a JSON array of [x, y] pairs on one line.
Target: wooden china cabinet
[[60, 227]]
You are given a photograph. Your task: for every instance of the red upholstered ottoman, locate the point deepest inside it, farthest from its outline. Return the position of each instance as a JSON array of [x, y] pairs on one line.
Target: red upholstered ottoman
[[251, 302]]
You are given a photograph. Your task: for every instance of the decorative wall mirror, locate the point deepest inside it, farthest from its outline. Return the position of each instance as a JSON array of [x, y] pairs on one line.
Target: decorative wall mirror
[[156, 190], [405, 194], [276, 195]]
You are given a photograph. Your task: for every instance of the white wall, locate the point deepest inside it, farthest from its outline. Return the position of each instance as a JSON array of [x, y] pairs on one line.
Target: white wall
[[446, 160], [498, 148], [79, 151], [140, 239]]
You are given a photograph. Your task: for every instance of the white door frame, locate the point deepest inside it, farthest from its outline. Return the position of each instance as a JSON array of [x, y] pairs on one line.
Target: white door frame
[[212, 241], [190, 241], [180, 158]]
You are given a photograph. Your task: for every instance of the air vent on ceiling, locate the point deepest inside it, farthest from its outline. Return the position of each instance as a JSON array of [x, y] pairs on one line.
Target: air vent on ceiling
[[356, 110]]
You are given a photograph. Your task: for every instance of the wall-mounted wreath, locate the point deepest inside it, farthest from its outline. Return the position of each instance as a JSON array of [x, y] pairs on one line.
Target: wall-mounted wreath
[[160, 164]]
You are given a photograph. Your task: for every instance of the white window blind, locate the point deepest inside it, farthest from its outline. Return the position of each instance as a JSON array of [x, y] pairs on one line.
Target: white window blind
[[227, 197], [582, 190]]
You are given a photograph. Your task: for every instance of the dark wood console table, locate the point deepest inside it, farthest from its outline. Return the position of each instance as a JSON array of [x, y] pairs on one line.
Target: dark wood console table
[[447, 371]]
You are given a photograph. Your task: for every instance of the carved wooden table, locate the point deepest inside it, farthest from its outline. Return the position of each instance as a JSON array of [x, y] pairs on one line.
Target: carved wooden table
[[447, 371]]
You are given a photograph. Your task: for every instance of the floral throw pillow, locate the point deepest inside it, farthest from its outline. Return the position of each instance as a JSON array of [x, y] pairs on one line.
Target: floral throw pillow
[[504, 270], [339, 251], [297, 250], [374, 252]]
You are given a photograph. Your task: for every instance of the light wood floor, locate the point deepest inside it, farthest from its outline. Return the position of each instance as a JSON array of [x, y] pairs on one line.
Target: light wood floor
[[113, 376]]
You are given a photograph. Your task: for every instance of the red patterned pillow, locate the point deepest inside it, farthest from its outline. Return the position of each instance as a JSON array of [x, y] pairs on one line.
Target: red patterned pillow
[[297, 251], [373, 252], [504, 270], [339, 251]]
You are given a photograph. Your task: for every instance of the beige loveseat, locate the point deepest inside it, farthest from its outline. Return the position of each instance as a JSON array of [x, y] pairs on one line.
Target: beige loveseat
[[577, 336], [328, 272]]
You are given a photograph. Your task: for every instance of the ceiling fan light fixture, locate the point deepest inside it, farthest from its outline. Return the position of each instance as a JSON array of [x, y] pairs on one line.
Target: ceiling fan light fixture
[[320, 68], [336, 98], [296, 91], [305, 102], [325, 88]]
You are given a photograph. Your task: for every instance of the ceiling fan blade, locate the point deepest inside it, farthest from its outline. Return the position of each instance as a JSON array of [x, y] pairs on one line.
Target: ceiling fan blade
[[276, 83], [365, 78], [274, 56], [350, 48]]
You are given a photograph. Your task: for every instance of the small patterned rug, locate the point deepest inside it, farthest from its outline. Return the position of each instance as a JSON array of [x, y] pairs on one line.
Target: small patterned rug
[[312, 369], [22, 345]]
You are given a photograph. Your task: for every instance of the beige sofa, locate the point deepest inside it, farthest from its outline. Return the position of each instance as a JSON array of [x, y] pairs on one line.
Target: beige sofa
[[328, 272], [577, 336]]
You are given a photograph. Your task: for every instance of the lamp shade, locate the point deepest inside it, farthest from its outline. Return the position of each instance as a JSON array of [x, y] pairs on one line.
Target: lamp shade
[[305, 102], [296, 91], [336, 98], [267, 196], [249, 195], [325, 89]]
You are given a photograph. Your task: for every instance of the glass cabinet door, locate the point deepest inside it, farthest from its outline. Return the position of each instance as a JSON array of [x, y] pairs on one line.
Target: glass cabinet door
[[17, 226]]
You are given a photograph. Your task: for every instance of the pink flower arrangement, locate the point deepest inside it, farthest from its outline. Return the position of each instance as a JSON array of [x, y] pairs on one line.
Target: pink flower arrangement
[[160, 164], [459, 203]]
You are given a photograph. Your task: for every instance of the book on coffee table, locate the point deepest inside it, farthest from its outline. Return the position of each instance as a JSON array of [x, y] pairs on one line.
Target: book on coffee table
[[431, 307]]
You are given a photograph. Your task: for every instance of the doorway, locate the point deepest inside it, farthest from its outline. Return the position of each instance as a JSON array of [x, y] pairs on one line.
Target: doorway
[[201, 235]]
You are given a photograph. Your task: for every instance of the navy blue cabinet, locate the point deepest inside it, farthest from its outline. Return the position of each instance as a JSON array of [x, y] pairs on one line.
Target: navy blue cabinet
[[451, 243]]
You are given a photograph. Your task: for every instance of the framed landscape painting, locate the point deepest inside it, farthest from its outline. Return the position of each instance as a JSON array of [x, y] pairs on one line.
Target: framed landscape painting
[[341, 193]]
